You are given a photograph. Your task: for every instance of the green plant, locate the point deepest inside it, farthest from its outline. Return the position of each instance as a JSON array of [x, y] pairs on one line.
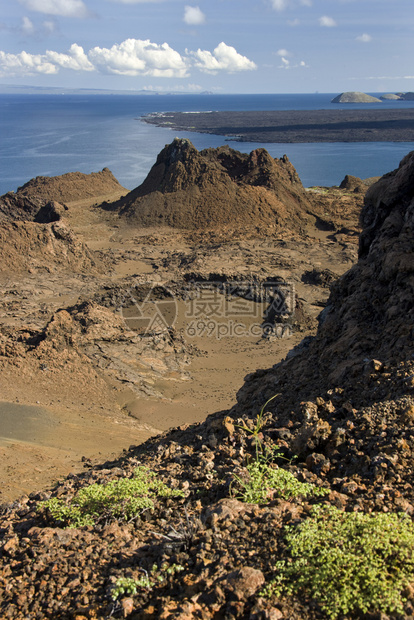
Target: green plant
[[348, 562], [172, 569], [122, 499], [265, 480], [129, 586], [254, 432]]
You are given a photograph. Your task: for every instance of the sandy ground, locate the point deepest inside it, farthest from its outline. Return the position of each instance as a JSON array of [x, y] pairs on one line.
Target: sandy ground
[[78, 420]]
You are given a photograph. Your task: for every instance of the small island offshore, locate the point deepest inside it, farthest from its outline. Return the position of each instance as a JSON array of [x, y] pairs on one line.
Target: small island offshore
[[293, 126]]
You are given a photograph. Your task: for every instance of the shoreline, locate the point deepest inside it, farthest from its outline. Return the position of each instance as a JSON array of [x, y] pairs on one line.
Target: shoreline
[[294, 126]]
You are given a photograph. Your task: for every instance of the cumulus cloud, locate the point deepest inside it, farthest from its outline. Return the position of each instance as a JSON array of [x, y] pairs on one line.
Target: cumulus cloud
[[75, 59], [283, 52], [327, 22], [223, 58], [25, 64], [194, 16], [132, 57], [64, 8], [48, 63], [364, 38], [136, 57]]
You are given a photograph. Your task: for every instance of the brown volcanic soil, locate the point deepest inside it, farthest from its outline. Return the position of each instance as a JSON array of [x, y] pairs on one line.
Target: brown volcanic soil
[[214, 188], [71, 186], [344, 410], [296, 126], [98, 378], [28, 246], [32, 200]]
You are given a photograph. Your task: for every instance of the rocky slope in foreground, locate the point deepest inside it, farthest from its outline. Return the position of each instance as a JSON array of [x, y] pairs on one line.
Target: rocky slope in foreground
[[344, 409]]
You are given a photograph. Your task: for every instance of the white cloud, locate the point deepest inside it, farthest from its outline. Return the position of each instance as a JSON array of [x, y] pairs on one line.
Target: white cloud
[[76, 59], [283, 52], [384, 77], [27, 26], [327, 22], [193, 16], [64, 8], [132, 57], [48, 63], [286, 63], [364, 38], [25, 64], [279, 5], [136, 57], [186, 88], [223, 58]]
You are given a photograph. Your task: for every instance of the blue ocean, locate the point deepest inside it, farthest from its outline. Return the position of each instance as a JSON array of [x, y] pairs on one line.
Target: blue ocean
[[48, 135]]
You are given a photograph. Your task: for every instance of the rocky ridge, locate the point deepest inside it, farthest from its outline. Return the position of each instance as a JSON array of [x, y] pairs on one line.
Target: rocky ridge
[[71, 186], [34, 229], [344, 409], [193, 190]]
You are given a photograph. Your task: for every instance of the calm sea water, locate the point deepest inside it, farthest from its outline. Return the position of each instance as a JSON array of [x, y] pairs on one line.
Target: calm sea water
[[48, 135]]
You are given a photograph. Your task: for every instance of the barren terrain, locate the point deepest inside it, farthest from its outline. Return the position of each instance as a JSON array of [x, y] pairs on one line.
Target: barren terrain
[[104, 394], [293, 499]]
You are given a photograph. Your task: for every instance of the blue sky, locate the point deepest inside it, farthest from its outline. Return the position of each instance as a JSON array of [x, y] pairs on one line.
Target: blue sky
[[224, 46]]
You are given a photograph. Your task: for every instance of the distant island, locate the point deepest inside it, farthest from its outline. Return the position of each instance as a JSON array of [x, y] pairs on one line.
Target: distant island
[[357, 97], [293, 126]]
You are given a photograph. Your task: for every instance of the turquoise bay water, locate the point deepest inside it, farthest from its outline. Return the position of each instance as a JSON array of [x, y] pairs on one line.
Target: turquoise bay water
[[48, 135]]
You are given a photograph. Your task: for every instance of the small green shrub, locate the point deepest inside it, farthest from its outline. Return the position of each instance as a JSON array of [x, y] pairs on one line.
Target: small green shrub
[[122, 499], [129, 586], [348, 562], [264, 481]]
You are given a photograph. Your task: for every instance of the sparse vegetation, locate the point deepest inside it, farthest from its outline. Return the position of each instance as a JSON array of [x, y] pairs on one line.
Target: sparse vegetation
[[129, 586], [348, 561], [124, 499], [254, 432], [265, 480]]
